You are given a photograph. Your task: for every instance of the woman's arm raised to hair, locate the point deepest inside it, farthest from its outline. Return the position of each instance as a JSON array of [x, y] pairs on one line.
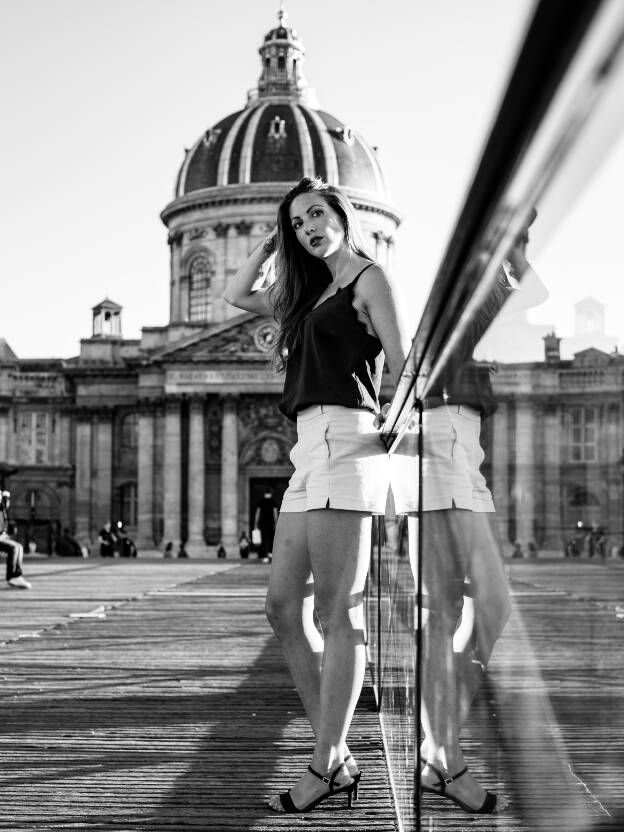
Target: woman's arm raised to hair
[[377, 292], [239, 292]]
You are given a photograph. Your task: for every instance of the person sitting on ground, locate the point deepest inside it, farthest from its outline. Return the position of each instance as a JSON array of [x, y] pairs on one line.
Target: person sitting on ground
[[243, 545], [127, 546], [107, 540], [13, 550], [68, 546]]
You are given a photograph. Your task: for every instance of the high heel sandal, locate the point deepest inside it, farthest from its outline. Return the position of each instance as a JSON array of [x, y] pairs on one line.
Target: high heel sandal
[[487, 807], [356, 777], [351, 790]]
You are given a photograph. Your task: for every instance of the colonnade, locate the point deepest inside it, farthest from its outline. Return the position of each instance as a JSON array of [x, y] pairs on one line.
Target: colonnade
[[162, 462]]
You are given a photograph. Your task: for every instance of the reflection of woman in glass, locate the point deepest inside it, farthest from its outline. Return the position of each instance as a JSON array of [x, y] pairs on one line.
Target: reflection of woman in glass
[[337, 317], [461, 557]]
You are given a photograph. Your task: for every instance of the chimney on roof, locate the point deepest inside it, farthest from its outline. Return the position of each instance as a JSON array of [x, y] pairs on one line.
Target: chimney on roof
[[552, 353]]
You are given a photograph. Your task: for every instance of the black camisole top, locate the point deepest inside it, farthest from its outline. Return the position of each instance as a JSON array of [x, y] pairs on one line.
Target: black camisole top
[[336, 361]]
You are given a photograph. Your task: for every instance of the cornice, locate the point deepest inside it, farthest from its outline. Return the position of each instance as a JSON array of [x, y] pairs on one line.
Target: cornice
[[267, 193], [103, 369]]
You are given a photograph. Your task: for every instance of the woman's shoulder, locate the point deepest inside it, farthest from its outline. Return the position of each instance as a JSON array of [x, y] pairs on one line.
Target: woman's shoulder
[[372, 278]]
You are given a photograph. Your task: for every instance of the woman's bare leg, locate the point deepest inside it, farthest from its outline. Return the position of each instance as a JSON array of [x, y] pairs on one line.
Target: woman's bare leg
[[290, 609], [488, 609], [445, 560], [339, 545]]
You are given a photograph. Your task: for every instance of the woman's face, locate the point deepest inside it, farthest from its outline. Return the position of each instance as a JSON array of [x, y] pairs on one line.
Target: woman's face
[[317, 226]]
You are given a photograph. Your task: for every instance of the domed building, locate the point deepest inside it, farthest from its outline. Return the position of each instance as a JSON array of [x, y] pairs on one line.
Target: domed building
[[177, 435], [236, 173]]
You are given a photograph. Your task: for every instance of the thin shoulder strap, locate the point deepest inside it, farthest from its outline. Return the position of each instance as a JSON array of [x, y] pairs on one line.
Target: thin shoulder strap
[[359, 274]]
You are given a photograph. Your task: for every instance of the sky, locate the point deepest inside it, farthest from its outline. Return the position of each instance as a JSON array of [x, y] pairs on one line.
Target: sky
[[104, 96]]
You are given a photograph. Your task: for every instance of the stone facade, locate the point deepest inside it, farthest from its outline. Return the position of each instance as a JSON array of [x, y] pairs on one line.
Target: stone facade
[[555, 448], [176, 434], [175, 444]]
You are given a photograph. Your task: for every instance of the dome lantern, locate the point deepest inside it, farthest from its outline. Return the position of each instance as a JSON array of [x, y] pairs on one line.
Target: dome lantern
[[282, 55]]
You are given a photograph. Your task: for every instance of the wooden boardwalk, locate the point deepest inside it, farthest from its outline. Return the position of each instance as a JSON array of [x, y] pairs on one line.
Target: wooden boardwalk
[[164, 704], [547, 729], [172, 711]]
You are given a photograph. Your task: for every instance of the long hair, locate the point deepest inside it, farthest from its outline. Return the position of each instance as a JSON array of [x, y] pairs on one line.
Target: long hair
[[300, 277]]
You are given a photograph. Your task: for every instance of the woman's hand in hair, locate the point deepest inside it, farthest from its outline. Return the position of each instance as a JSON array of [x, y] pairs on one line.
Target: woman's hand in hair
[[239, 291]]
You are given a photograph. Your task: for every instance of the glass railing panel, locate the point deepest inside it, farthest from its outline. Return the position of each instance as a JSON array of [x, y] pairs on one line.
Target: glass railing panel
[[499, 594]]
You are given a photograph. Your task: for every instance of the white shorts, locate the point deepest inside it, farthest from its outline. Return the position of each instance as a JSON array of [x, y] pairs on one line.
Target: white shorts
[[452, 456], [340, 462]]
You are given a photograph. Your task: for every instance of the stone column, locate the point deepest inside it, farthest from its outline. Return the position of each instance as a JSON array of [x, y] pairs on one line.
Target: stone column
[[172, 472], [524, 485], [196, 479], [64, 427], [12, 453], [552, 477], [145, 485], [4, 434], [229, 475], [83, 529], [103, 469], [500, 469], [222, 265], [175, 244]]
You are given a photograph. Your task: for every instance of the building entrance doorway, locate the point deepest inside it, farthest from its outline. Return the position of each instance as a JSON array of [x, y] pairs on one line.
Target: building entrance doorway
[[43, 533], [257, 488]]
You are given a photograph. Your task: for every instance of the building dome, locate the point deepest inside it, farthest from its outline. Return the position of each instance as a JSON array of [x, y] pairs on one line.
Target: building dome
[[281, 142], [236, 174], [281, 135]]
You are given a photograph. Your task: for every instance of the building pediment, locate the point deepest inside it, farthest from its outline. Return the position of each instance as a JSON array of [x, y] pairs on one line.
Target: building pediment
[[591, 357], [246, 338]]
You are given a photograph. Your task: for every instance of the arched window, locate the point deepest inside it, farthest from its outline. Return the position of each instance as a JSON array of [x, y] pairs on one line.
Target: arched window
[[200, 301], [129, 504], [129, 431]]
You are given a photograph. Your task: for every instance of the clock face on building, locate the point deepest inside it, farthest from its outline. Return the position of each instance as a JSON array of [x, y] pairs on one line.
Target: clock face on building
[[265, 335], [270, 451]]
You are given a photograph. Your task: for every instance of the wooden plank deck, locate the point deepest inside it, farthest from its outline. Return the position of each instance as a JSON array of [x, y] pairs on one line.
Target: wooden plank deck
[[173, 711], [170, 707], [547, 729]]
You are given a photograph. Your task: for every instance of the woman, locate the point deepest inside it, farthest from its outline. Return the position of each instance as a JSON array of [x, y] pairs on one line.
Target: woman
[[463, 576], [337, 319]]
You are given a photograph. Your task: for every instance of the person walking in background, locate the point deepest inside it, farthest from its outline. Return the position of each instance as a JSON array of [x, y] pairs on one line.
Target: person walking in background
[[337, 316], [265, 520], [12, 549], [107, 540]]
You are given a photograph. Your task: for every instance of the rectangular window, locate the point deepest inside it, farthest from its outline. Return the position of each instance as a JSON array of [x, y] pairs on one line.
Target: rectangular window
[[32, 438], [583, 434]]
